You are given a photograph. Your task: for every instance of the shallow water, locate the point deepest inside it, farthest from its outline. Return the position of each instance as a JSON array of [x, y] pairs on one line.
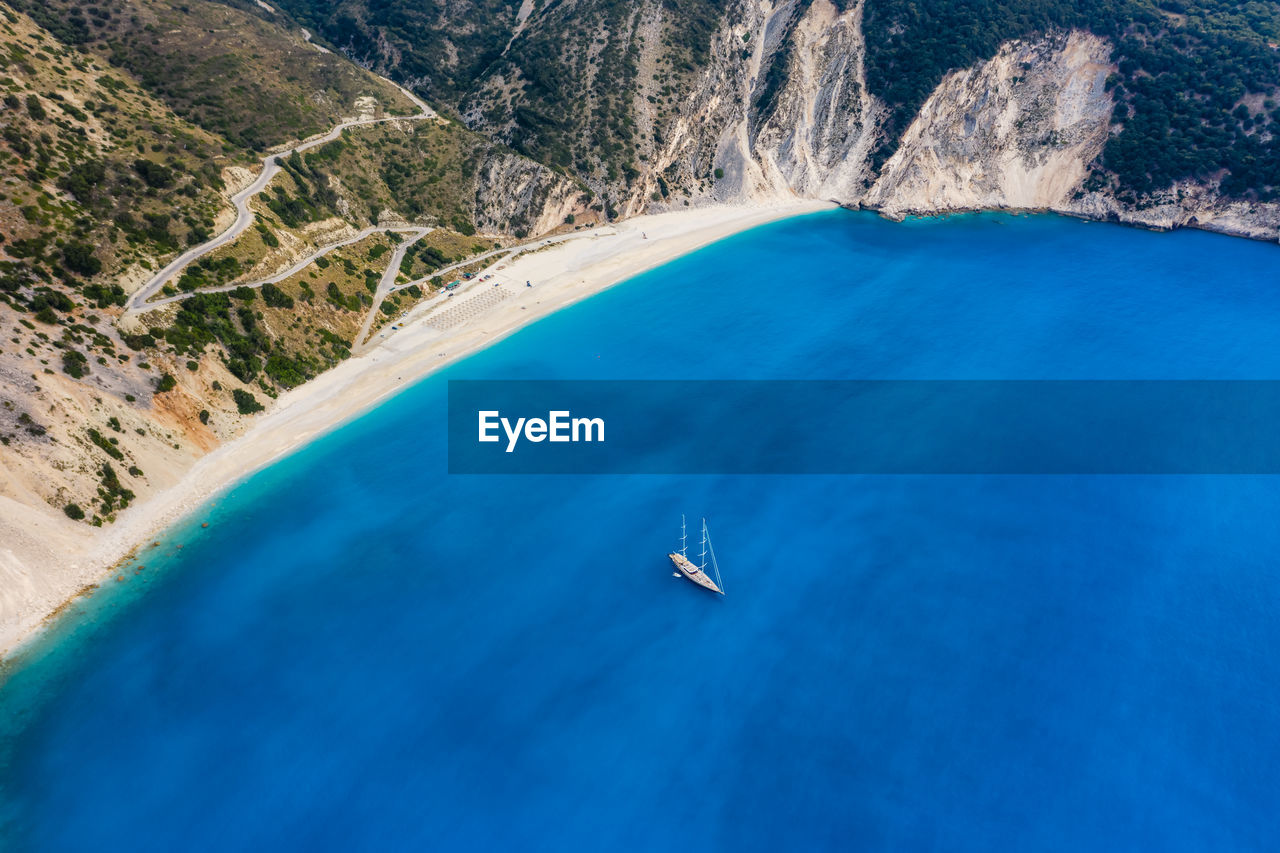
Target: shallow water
[[361, 651]]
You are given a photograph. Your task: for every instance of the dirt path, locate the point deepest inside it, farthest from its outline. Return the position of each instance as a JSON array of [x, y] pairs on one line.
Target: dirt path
[[388, 280], [299, 266], [508, 254], [245, 216]]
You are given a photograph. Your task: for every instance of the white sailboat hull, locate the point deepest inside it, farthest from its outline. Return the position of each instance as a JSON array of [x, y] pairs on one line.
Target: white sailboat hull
[[693, 573]]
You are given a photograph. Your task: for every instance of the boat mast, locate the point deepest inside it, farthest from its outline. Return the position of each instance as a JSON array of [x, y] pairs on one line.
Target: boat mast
[[714, 564], [703, 565], [684, 545]]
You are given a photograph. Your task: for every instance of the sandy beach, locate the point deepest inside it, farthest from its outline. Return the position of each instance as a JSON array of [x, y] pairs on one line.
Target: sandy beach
[[45, 561]]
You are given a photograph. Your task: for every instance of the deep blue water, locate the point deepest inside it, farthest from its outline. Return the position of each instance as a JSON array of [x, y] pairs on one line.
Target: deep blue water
[[362, 652]]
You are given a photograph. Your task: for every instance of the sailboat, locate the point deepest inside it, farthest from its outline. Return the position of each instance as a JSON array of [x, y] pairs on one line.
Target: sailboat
[[686, 568]]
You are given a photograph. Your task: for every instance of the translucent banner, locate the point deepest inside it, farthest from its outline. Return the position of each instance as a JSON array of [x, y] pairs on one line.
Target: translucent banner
[[864, 427]]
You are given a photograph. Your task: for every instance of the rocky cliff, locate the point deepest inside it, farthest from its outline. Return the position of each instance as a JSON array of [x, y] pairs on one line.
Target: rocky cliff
[[1022, 131], [781, 110], [1018, 131], [792, 116], [1118, 110], [514, 195]]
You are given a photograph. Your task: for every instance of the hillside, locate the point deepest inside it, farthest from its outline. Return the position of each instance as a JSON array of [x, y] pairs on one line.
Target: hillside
[[237, 70], [1191, 83], [652, 103], [119, 157]]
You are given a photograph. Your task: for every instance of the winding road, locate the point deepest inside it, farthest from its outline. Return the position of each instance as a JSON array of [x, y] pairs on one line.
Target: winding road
[[244, 215], [140, 302], [418, 233]]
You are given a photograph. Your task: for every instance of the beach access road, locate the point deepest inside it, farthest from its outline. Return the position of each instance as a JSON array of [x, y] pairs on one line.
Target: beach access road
[[244, 214], [416, 233], [388, 285]]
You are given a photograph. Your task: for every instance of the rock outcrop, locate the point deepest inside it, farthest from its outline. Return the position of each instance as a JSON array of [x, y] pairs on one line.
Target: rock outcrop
[[515, 195], [1016, 132], [791, 116], [782, 110], [1185, 205], [819, 130]]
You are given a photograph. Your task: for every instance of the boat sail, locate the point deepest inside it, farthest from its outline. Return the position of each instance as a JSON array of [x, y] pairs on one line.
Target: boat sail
[[685, 567]]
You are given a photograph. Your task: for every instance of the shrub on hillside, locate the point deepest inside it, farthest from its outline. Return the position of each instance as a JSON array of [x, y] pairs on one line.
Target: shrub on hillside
[[275, 297], [246, 403]]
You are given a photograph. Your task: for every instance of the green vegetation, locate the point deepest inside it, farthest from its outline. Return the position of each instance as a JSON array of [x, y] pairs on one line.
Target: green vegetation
[[425, 171], [79, 259], [563, 91], [276, 346], [445, 45], [90, 112], [256, 88], [249, 351], [112, 493], [246, 403], [268, 236], [105, 444], [576, 110], [315, 198], [206, 318], [275, 297], [74, 363], [73, 511], [207, 272], [138, 181], [438, 249]]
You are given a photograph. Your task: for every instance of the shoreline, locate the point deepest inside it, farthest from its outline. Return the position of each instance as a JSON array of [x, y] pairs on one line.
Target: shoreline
[[564, 273], [1261, 233]]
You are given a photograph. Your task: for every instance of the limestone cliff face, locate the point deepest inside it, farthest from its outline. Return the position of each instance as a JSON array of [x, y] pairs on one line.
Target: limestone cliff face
[[818, 133], [515, 195], [1021, 131], [1185, 205], [1016, 132], [781, 110], [790, 116], [709, 126]]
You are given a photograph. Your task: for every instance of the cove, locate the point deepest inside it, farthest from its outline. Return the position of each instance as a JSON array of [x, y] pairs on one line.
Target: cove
[[363, 652]]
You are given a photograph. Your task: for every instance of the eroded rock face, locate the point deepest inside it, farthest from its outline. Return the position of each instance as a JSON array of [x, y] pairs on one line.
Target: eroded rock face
[[1016, 132], [1185, 204], [818, 137], [782, 110], [514, 195]]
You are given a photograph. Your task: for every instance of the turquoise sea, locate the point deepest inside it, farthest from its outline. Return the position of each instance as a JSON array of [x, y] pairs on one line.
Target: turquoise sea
[[362, 652]]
